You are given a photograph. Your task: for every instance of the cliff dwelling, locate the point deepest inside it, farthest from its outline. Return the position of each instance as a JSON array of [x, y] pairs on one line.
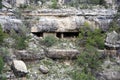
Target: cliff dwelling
[[57, 34], [66, 23], [60, 27]]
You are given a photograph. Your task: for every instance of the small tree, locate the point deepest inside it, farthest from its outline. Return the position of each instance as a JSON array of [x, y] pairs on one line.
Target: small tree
[[89, 60], [89, 63], [87, 36]]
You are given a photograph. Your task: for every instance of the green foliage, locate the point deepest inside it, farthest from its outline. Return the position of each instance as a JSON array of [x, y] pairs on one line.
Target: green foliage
[[49, 41], [86, 24], [23, 6], [89, 63], [89, 59], [1, 64], [4, 78], [20, 40], [4, 52], [115, 25], [102, 2], [88, 36], [2, 35], [0, 4], [118, 10], [18, 13], [54, 4], [95, 1], [77, 3], [77, 75]]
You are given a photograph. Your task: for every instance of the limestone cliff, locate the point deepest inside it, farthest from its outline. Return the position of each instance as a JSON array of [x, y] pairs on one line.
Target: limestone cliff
[[68, 20]]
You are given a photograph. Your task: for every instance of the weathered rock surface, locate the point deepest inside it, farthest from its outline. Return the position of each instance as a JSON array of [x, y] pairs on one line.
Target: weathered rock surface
[[53, 24], [112, 40], [5, 4], [111, 75], [66, 20], [8, 23], [62, 54], [19, 68], [28, 56], [43, 69], [110, 70]]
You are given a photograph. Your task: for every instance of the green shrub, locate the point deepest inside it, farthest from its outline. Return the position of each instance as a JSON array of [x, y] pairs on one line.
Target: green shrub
[[0, 4], [86, 3], [89, 60], [77, 75], [118, 10], [114, 25], [4, 52], [4, 78], [91, 37], [89, 63], [102, 2], [23, 6], [20, 40], [49, 41], [1, 64], [86, 24], [54, 4], [2, 35]]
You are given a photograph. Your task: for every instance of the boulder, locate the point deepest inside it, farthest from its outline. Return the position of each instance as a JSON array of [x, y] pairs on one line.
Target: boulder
[[19, 68], [43, 69], [112, 40]]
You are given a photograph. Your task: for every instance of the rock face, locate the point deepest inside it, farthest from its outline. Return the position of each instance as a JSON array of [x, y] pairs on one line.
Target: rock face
[[62, 54], [5, 4], [16, 3], [112, 75], [8, 23], [110, 70], [53, 24], [68, 20], [19, 68], [28, 56], [20, 2]]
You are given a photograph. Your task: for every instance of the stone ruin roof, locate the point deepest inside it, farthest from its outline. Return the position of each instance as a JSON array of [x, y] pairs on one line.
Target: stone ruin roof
[[54, 24], [113, 40]]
